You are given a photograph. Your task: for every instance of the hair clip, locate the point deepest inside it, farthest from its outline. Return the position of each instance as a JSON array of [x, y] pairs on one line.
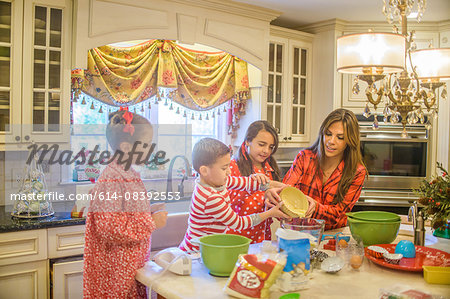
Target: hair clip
[[128, 116]]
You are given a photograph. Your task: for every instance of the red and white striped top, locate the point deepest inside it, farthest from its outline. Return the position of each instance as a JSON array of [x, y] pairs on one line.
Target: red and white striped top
[[210, 211]]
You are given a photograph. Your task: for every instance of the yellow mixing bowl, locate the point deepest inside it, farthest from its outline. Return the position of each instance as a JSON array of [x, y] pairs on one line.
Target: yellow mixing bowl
[[295, 203]]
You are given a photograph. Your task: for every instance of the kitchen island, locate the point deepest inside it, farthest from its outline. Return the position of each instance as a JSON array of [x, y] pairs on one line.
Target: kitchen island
[[365, 282]]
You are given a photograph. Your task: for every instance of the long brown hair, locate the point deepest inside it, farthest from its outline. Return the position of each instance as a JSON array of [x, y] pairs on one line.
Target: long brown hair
[[242, 158], [352, 154]]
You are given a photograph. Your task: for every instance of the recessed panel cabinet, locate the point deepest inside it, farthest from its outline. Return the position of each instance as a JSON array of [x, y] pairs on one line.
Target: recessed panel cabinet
[[289, 88], [35, 43]]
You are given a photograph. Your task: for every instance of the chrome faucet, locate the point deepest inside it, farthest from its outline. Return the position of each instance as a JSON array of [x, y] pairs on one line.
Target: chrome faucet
[[186, 175], [418, 224]]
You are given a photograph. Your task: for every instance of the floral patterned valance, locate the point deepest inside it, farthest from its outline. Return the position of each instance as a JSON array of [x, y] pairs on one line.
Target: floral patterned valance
[[198, 80]]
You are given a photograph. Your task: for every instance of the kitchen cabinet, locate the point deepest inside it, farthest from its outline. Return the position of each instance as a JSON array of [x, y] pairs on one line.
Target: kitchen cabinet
[[67, 279], [35, 55], [27, 258], [23, 281], [66, 273], [289, 85], [23, 264]]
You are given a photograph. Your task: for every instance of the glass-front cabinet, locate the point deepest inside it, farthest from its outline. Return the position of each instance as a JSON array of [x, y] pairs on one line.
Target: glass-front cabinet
[[35, 39], [289, 85]]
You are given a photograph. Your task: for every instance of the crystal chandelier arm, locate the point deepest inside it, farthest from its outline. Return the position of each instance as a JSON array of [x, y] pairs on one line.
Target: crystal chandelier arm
[[428, 104], [392, 98], [379, 97]]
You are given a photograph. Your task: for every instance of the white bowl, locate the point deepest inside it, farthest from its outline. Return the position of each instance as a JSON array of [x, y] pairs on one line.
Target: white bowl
[[332, 264]]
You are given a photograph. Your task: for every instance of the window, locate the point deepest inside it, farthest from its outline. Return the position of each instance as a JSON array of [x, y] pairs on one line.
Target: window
[[174, 133]]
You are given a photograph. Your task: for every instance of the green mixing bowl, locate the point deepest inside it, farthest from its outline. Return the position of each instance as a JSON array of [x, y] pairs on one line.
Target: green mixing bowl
[[372, 232], [378, 216], [221, 251]]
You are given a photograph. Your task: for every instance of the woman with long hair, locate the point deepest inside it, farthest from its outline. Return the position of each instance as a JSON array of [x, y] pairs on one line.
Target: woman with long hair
[[331, 172], [255, 156]]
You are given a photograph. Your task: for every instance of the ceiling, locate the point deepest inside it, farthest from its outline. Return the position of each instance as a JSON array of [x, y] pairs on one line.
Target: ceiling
[[297, 13]]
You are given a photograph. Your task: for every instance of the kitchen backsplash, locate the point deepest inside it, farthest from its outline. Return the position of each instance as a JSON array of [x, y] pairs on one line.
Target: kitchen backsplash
[[12, 169]]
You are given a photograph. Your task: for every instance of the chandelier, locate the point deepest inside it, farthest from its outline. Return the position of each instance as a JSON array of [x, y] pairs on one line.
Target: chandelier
[[402, 78]]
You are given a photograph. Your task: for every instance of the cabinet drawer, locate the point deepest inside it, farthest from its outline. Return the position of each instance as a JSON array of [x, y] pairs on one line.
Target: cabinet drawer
[[23, 246], [23, 281], [65, 241]]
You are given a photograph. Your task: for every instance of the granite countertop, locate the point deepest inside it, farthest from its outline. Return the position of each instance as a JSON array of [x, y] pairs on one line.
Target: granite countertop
[[60, 218]]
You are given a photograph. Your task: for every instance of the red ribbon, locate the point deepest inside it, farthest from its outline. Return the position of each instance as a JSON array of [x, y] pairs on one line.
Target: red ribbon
[[123, 108], [244, 152], [128, 118]]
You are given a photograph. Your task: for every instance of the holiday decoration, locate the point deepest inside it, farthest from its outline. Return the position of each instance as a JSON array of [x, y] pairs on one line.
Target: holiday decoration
[[435, 196]]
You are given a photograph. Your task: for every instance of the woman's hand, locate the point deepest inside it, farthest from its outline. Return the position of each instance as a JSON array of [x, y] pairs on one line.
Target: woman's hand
[[260, 178], [160, 218], [271, 197], [311, 208]]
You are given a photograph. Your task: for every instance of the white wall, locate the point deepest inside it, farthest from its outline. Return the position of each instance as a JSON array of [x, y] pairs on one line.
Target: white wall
[[239, 29]]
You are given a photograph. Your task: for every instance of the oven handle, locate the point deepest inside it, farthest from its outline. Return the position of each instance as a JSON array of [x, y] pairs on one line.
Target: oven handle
[[384, 138], [388, 197], [372, 132]]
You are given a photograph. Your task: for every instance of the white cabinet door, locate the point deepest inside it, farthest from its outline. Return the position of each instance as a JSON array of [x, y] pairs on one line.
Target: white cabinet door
[[46, 81], [68, 280], [277, 88], [10, 70], [298, 101], [24, 281], [289, 89]]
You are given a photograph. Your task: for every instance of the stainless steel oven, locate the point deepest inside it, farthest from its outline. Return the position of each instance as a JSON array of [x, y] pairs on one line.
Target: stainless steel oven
[[396, 164]]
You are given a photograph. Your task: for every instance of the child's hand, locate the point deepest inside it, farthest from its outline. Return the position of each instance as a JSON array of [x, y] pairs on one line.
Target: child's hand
[[276, 184], [157, 207], [276, 212], [160, 218], [271, 197], [260, 178]]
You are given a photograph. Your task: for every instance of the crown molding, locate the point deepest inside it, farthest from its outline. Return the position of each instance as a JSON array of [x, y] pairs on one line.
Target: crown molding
[[346, 26], [444, 25], [386, 27], [290, 33], [231, 7], [327, 25]]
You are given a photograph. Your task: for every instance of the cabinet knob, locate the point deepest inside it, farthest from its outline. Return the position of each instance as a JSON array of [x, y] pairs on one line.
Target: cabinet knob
[[27, 137], [285, 138], [17, 138], [289, 138]]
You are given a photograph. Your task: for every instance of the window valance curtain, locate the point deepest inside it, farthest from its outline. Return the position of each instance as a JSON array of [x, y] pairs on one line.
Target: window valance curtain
[[197, 80]]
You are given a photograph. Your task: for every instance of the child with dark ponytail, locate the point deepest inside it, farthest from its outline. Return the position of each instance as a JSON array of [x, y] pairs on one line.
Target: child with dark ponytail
[[255, 156], [120, 220]]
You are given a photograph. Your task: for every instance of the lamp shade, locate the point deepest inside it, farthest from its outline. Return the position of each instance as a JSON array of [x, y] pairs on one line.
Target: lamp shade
[[371, 52], [432, 63]]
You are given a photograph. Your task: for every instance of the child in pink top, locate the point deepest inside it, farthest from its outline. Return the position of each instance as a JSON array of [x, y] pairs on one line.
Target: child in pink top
[[210, 210], [118, 228]]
